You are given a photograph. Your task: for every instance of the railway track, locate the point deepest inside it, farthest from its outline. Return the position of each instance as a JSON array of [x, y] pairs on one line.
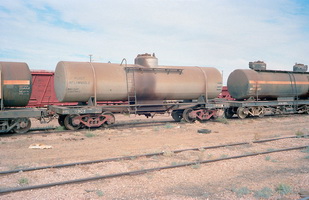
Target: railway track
[[126, 125], [123, 125], [143, 171]]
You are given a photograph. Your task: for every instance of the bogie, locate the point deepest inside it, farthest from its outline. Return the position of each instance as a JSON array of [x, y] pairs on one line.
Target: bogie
[[74, 121], [201, 114]]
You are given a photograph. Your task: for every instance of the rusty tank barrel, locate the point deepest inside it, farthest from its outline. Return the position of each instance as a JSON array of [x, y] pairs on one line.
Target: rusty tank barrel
[[268, 84], [15, 84], [79, 81]]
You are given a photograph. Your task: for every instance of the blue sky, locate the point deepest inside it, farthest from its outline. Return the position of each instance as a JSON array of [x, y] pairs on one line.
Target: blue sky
[[224, 34]]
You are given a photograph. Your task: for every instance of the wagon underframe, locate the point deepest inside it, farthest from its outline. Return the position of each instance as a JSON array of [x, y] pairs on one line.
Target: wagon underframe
[[259, 108], [74, 117]]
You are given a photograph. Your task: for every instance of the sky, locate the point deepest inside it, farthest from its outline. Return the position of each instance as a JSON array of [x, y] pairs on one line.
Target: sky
[[225, 34]]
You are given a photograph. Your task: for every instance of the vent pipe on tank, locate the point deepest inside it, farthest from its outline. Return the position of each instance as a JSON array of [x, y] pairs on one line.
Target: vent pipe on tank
[[146, 60]]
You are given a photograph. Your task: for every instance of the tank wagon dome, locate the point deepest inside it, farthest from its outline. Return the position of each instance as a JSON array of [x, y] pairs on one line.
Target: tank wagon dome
[[146, 60], [79, 81], [15, 84], [257, 65]]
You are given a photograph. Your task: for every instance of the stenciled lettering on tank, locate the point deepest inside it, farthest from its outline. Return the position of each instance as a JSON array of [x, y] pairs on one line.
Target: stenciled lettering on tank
[[23, 89], [254, 87], [75, 83], [73, 90], [79, 81], [219, 86]]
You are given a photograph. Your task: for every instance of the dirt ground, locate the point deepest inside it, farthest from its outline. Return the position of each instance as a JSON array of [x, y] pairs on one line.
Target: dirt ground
[[282, 175]]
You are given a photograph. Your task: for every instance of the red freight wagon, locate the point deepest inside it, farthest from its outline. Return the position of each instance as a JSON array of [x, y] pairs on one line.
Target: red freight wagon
[[43, 93]]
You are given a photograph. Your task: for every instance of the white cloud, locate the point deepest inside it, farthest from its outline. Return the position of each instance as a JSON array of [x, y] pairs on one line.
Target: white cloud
[[224, 34]]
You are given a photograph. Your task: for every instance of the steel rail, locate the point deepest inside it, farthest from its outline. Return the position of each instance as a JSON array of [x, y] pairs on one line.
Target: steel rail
[[142, 155], [138, 172], [119, 125], [36, 131]]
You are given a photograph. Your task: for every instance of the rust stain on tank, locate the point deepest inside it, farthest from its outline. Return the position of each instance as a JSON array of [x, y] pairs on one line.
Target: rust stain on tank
[[145, 86]]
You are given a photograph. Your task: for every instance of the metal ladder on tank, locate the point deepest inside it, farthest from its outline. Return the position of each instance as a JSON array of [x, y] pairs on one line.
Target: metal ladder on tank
[[131, 89]]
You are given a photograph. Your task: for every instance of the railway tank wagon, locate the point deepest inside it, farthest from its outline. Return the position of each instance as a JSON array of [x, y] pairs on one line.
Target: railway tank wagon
[[258, 90], [15, 84], [75, 81], [146, 87], [15, 94]]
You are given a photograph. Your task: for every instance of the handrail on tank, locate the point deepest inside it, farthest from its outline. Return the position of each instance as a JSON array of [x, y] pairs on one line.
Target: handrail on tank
[[1, 95], [94, 84], [281, 71], [155, 70], [206, 84], [124, 60]]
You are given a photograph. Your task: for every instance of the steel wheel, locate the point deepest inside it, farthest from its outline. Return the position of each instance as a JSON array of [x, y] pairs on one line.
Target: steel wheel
[[177, 115], [219, 113], [186, 115], [61, 120], [241, 113], [23, 125], [229, 113], [110, 119], [70, 123]]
